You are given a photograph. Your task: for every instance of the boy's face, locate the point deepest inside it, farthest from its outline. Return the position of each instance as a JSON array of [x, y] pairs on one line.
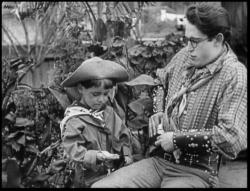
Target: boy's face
[[201, 51], [94, 97]]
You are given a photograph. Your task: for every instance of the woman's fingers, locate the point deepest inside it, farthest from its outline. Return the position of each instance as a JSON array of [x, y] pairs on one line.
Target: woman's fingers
[[150, 127], [154, 122], [154, 125]]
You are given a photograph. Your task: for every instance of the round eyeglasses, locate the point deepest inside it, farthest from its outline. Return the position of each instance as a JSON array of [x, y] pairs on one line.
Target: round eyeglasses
[[194, 41]]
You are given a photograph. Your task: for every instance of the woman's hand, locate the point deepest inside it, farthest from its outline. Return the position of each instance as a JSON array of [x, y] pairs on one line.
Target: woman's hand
[[105, 155], [165, 141], [154, 122]]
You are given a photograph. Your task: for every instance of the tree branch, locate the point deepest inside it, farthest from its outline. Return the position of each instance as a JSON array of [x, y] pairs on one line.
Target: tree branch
[[26, 37], [91, 11], [11, 41]]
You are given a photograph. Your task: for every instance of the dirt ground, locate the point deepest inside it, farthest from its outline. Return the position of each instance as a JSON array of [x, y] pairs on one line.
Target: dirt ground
[[233, 174]]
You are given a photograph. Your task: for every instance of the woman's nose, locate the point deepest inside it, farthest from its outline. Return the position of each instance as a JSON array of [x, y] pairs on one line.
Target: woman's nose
[[190, 47], [102, 99]]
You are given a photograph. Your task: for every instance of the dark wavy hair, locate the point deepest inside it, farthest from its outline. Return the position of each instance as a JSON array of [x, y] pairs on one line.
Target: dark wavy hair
[[106, 83], [210, 19]]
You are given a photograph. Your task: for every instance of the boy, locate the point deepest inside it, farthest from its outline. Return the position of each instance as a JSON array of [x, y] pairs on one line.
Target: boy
[[93, 135]]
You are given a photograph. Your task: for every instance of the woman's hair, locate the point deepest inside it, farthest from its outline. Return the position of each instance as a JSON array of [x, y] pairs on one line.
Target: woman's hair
[[210, 19], [106, 83]]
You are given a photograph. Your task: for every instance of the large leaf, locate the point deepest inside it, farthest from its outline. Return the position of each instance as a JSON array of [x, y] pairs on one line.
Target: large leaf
[[62, 98], [158, 51], [138, 123], [23, 122], [147, 53], [21, 140], [41, 177], [137, 60], [141, 105], [100, 30], [136, 50], [15, 146], [12, 135], [31, 148], [143, 79], [58, 165], [149, 43]]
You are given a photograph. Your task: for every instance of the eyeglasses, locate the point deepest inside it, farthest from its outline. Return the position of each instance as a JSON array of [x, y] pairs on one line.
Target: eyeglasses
[[194, 41]]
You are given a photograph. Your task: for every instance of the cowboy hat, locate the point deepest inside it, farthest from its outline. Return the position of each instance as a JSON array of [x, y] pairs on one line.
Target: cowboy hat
[[96, 68]]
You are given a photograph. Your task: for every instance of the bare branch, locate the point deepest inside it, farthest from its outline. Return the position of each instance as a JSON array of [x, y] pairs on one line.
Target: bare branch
[[11, 41], [26, 37], [91, 11], [36, 35]]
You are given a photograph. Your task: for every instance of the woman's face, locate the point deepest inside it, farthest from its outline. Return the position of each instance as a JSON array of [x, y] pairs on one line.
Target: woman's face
[[205, 51], [94, 97]]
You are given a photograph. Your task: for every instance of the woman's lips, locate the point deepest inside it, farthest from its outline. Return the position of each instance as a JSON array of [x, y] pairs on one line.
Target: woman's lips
[[192, 57]]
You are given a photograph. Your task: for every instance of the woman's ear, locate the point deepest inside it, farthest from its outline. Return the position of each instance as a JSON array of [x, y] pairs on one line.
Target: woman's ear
[[219, 38]]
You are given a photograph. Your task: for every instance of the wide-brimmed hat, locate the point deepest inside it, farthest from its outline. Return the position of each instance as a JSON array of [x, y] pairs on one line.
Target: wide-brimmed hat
[[96, 68]]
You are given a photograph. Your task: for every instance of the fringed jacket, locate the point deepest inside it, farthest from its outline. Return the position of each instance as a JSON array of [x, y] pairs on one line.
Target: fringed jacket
[[85, 132]]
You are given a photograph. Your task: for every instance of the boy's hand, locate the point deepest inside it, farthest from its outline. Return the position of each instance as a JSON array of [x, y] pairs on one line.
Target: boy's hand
[[128, 160], [105, 155]]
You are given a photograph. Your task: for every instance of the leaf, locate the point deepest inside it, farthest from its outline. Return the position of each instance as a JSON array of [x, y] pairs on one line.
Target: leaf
[[29, 138], [21, 140], [15, 146], [136, 50], [12, 135], [158, 51], [139, 106], [172, 43], [169, 49], [32, 166], [23, 122], [32, 148], [4, 164], [58, 165], [158, 43], [4, 179], [41, 177], [149, 66], [138, 60], [149, 43], [146, 53], [118, 42], [159, 59], [138, 123], [100, 30], [143, 79], [62, 98]]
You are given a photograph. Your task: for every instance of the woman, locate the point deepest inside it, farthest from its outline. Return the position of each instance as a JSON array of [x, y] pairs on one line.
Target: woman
[[93, 135]]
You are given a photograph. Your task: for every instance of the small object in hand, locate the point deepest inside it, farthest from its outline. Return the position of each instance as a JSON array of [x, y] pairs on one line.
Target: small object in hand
[[160, 130]]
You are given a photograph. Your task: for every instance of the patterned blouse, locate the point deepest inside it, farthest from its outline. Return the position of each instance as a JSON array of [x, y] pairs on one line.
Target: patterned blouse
[[211, 118]]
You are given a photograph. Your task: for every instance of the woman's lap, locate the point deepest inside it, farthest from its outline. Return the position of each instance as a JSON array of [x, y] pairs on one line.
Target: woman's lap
[[141, 174]]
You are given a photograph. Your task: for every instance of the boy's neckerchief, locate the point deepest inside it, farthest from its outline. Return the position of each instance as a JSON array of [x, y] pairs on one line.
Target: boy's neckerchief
[[76, 110]]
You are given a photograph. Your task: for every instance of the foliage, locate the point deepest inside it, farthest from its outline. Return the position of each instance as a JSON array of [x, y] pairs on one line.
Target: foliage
[[31, 128], [147, 56]]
